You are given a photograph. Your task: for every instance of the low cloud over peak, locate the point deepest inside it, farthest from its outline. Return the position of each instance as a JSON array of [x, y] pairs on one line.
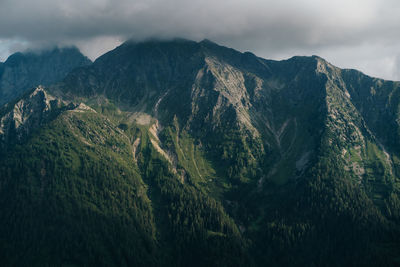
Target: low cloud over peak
[[357, 34]]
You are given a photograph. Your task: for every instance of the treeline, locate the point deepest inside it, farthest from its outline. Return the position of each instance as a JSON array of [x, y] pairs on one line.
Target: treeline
[[194, 228], [324, 220], [64, 202]]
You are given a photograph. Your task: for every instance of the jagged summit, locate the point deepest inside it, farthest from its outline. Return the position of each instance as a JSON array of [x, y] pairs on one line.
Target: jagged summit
[[188, 50]]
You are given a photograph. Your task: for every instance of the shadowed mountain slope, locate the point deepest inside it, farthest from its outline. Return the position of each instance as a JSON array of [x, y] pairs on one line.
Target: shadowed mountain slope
[[23, 71]]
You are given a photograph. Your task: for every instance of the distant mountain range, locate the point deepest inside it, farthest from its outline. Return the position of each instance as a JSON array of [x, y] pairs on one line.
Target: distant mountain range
[[183, 153], [23, 71]]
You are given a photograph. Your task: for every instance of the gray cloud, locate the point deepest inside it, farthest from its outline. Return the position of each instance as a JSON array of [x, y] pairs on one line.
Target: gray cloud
[[359, 34], [396, 68]]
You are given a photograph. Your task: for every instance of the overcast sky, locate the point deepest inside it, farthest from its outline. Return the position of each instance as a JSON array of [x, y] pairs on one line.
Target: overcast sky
[[361, 34]]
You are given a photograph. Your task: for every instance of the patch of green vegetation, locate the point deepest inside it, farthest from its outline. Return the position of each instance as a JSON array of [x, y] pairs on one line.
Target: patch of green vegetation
[[378, 181], [73, 185], [190, 157], [192, 224]]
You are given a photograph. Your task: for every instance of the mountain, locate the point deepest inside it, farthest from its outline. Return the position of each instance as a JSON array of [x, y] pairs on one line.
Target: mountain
[[182, 153], [23, 71]]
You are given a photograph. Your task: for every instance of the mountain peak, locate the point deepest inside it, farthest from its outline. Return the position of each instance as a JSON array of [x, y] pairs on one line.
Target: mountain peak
[[23, 71], [207, 41], [36, 54], [156, 41]]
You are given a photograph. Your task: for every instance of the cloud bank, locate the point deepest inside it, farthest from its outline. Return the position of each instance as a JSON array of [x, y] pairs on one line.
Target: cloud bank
[[359, 34]]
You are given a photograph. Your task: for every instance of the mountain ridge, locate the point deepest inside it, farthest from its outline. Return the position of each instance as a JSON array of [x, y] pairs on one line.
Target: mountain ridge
[[216, 157]]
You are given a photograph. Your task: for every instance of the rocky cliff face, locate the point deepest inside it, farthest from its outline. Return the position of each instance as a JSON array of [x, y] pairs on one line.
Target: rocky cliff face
[[20, 119], [23, 71]]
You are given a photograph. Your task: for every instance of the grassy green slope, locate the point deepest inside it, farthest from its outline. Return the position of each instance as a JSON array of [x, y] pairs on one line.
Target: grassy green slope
[[74, 193], [70, 195]]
